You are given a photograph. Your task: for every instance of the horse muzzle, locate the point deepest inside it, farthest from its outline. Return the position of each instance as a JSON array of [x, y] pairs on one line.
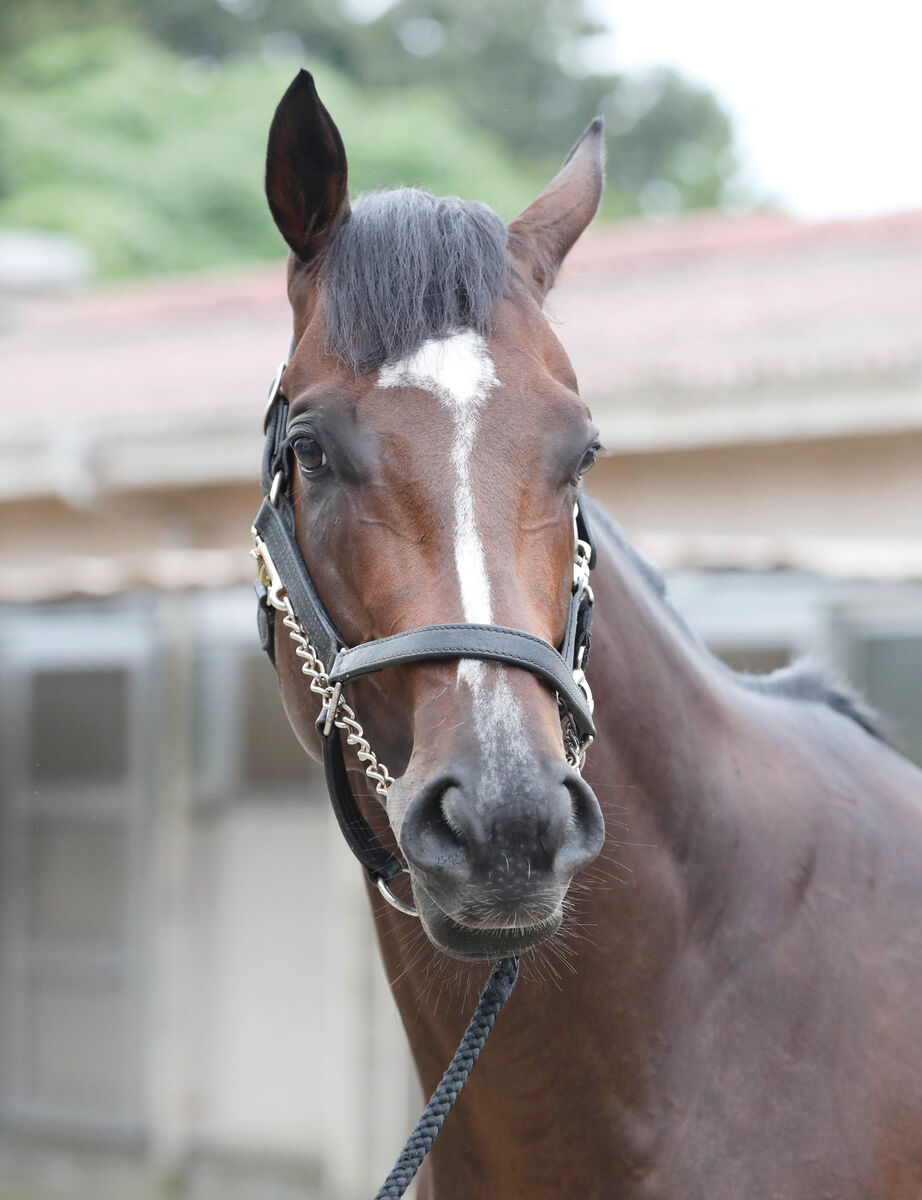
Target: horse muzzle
[[491, 859]]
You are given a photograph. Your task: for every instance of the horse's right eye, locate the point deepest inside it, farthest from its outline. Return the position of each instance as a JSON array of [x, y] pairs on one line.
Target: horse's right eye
[[310, 455]]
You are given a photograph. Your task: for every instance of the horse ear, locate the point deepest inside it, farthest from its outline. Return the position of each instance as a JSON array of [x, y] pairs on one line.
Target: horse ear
[[550, 225], [306, 172]]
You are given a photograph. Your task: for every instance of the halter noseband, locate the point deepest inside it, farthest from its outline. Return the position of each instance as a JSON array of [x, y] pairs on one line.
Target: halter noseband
[[284, 585]]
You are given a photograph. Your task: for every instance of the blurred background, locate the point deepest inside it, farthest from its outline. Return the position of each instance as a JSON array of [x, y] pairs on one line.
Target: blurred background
[[190, 999]]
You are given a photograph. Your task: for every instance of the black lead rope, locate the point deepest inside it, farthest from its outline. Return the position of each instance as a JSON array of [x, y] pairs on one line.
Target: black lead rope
[[497, 991]]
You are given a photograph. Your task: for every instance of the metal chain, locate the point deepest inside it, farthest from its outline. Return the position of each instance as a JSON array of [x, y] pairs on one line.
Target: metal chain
[[342, 714], [574, 749]]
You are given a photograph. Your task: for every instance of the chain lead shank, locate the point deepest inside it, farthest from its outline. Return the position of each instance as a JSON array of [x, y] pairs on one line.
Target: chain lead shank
[[339, 712]]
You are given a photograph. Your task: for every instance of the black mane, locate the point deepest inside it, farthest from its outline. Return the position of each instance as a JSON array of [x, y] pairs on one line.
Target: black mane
[[802, 680], [407, 266]]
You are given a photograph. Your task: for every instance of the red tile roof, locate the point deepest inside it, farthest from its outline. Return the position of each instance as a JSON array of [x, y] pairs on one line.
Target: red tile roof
[[714, 302], [701, 304]]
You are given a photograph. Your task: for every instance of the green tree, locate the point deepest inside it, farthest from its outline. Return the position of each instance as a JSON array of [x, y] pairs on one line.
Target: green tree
[[514, 67], [156, 161]]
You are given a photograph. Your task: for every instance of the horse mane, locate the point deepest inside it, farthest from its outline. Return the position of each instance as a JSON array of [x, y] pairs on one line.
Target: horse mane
[[803, 680], [406, 266]]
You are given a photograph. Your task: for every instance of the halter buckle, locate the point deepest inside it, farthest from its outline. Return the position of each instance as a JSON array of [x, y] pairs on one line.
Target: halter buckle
[[331, 706], [267, 573]]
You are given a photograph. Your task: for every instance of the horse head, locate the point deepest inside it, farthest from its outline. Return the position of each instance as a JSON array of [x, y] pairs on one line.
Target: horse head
[[437, 442]]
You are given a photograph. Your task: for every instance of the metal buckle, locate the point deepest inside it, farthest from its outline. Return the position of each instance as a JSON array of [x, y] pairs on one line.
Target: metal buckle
[[332, 706], [267, 574], [395, 901], [579, 678], [581, 571], [273, 392]]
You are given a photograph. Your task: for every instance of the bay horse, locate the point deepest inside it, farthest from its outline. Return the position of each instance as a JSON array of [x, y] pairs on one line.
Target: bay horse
[[726, 1003]]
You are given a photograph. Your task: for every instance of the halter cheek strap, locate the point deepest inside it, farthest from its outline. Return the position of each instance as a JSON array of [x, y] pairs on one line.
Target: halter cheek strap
[[284, 586]]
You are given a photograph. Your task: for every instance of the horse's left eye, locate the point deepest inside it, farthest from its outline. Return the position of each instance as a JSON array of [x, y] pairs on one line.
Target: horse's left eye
[[587, 462], [310, 454]]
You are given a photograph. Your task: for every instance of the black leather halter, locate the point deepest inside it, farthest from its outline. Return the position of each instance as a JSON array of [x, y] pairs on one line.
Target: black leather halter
[[284, 574]]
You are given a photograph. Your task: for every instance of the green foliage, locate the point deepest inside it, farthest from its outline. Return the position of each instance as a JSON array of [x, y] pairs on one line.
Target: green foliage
[[156, 162], [505, 60], [140, 125], [515, 66]]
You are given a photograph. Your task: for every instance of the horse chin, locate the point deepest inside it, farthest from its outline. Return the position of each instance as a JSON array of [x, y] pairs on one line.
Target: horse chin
[[477, 943]]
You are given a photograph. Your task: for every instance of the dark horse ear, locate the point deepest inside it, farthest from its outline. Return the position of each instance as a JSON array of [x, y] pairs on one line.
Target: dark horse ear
[[305, 170], [547, 229]]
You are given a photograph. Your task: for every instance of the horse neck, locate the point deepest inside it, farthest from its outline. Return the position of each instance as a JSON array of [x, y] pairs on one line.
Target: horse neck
[[660, 709], [664, 709]]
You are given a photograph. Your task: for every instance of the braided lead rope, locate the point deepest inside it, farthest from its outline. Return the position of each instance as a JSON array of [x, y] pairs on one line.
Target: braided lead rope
[[497, 991]]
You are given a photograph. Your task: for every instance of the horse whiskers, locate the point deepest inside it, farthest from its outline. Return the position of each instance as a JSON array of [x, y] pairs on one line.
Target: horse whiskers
[[457, 983], [439, 983], [537, 971], [413, 961]]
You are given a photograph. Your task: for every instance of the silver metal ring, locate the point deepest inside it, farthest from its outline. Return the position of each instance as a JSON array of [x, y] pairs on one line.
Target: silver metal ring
[[273, 392], [276, 488], [395, 901]]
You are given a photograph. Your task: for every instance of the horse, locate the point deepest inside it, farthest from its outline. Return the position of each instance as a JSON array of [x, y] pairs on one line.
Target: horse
[[718, 922]]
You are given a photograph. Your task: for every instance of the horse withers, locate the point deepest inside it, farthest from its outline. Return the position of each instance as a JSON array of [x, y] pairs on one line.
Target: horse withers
[[742, 1020]]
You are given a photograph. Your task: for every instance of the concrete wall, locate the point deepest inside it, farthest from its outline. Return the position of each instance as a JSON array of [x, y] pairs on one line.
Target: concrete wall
[[850, 487]]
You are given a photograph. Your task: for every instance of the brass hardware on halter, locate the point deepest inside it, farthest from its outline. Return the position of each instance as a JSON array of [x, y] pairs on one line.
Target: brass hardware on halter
[[267, 575], [338, 711], [332, 706]]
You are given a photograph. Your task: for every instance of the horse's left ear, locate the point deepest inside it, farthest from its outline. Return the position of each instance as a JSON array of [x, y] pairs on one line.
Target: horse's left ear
[[306, 174], [549, 226]]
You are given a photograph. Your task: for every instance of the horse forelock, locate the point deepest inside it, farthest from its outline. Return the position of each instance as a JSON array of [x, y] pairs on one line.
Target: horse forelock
[[406, 267]]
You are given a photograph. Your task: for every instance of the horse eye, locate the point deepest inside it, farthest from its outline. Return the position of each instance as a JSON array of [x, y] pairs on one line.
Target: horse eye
[[588, 460], [310, 454]]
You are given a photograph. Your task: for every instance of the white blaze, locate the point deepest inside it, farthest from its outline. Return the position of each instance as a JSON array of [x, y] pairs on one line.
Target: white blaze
[[459, 372]]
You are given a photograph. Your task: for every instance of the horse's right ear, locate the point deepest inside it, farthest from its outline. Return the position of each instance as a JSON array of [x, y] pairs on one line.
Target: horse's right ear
[[306, 172]]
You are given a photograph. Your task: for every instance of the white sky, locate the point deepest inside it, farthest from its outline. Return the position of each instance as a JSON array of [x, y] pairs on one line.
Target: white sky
[[826, 96]]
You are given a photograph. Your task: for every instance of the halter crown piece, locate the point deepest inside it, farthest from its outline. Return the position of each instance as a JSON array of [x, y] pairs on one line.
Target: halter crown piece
[[283, 585]]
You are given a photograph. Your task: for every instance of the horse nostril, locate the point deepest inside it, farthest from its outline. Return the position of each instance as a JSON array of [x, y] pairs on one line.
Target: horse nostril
[[585, 830], [432, 835], [447, 804]]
